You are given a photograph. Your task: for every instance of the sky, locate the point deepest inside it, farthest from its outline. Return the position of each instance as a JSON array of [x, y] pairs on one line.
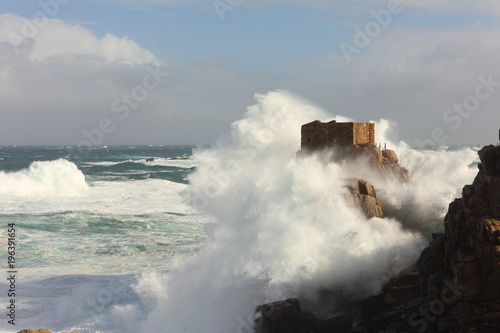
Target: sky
[[112, 72]]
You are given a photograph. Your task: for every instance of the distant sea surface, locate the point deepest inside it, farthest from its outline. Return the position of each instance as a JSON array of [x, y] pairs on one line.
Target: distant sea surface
[[86, 223]]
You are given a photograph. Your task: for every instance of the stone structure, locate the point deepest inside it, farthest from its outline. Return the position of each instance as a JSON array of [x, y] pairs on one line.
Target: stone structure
[[350, 141], [318, 135]]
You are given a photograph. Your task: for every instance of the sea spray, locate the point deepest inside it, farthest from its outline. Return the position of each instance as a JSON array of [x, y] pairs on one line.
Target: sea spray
[[58, 177], [437, 178], [283, 228]]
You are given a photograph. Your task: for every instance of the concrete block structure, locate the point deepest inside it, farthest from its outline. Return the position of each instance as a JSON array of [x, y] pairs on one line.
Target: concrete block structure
[[318, 135]]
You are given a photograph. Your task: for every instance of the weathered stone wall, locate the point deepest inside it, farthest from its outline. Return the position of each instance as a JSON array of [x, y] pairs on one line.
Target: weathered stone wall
[[317, 135], [363, 133]]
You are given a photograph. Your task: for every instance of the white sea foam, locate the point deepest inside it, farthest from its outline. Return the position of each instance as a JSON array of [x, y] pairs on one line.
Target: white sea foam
[[58, 177], [148, 196]]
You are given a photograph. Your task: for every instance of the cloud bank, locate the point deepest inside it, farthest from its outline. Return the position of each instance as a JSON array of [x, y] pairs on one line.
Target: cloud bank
[[63, 80]]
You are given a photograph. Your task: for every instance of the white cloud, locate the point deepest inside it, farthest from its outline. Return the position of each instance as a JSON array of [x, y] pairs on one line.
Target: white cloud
[[413, 77], [64, 80], [54, 37]]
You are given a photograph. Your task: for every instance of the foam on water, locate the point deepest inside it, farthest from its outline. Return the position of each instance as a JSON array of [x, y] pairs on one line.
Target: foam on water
[[128, 198], [59, 177]]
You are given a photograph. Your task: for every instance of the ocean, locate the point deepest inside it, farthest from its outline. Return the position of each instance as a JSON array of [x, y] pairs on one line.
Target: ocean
[[87, 223], [192, 241]]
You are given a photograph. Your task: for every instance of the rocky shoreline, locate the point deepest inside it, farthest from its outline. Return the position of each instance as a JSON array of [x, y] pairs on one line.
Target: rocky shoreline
[[453, 287]]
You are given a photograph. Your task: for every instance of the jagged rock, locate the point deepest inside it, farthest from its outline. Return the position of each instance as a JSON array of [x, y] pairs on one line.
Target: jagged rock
[[287, 317], [362, 195], [281, 317], [460, 270], [389, 157], [383, 162], [490, 158]]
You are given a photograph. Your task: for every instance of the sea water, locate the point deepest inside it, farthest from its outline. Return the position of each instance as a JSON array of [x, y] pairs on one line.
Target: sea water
[[86, 224], [194, 240]]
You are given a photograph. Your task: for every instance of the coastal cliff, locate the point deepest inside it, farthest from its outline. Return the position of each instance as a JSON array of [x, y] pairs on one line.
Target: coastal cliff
[[453, 287]]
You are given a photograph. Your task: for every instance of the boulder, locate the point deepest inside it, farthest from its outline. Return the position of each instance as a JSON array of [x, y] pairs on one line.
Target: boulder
[[362, 195], [389, 156]]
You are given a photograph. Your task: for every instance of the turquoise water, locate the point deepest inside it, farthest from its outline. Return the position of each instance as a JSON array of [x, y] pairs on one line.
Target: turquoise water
[[86, 224], [110, 223]]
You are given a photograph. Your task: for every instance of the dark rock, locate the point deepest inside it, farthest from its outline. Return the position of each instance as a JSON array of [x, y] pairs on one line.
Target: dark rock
[[281, 317], [490, 158]]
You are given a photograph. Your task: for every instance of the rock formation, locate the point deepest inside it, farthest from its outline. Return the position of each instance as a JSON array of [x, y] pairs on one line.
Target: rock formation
[[455, 284], [362, 195], [385, 162], [466, 258], [351, 142]]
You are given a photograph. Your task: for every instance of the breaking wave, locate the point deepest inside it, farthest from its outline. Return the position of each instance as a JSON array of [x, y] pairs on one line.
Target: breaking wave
[[58, 177]]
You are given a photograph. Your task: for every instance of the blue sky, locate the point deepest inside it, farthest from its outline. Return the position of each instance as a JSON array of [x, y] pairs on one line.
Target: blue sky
[[428, 58]]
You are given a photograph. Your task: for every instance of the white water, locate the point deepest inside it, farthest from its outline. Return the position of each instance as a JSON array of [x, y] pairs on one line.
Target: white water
[[158, 161], [282, 230], [58, 177]]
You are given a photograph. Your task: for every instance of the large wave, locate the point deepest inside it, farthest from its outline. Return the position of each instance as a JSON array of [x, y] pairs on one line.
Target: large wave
[[58, 177], [283, 227]]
